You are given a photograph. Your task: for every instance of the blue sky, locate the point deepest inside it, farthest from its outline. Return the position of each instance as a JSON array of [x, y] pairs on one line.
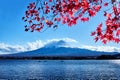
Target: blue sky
[[12, 27]]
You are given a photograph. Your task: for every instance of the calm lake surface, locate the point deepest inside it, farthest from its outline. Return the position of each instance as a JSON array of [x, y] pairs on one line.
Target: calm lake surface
[[59, 69]]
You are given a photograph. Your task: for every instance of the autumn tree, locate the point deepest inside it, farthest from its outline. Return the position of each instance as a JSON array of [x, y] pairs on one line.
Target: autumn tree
[[49, 13]]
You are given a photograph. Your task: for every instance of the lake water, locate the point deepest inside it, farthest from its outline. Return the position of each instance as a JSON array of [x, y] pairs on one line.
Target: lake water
[[59, 69]]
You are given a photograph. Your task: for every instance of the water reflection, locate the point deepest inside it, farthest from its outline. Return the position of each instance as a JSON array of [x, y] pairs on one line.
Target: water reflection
[[117, 62], [60, 70]]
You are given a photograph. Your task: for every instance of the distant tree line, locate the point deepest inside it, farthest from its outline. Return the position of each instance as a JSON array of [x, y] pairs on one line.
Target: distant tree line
[[101, 57]]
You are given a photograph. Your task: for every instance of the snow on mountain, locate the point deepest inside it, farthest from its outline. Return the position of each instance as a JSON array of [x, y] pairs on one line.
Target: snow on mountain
[[66, 43], [56, 44], [60, 48]]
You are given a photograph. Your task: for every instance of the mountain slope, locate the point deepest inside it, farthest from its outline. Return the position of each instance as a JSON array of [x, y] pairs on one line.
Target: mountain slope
[[58, 48], [62, 51]]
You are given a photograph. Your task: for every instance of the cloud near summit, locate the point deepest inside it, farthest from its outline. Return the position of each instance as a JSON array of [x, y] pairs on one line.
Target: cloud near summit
[[7, 48], [68, 42]]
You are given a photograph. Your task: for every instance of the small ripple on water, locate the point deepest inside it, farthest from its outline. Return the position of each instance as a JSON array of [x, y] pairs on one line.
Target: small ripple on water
[[59, 70]]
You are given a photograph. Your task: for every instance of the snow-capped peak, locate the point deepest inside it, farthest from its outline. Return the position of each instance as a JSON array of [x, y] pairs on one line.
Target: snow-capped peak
[[55, 44]]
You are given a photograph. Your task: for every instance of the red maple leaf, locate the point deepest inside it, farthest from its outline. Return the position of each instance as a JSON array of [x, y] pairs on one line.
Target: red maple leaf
[[118, 32], [84, 19], [105, 4]]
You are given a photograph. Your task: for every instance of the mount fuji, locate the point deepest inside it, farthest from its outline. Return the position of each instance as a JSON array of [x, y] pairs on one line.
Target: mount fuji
[[61, 48]]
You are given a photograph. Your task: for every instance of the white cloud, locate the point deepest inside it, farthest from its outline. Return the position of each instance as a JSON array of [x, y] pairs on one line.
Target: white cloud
[[35, 45], [7, 48], [64, 39], [102, 48], [69, 42]]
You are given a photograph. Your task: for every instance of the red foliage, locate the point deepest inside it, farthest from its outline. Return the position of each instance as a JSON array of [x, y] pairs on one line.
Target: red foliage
[[118, 32], [84, 19], [112, 27], [69, 12], [105, 4]]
